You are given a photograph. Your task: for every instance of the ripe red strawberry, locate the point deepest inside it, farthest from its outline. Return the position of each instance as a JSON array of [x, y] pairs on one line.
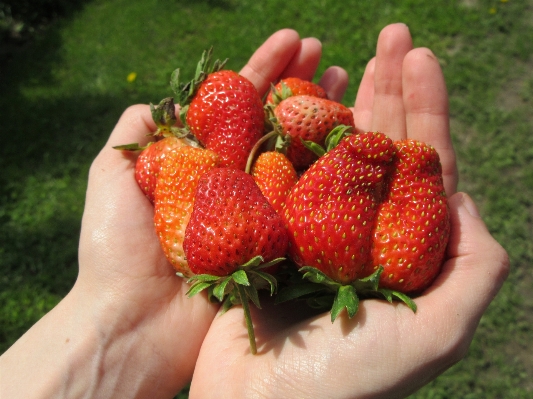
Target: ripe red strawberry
[[232, 223], [178, 178], [413, 221], [311, 119], [293, 87], [330, 212], [275, 176], [223, 110], [149, 162]]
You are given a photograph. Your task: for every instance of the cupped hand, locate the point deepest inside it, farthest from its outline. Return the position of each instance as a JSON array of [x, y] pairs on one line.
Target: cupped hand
[[125, 282], [385, 351]]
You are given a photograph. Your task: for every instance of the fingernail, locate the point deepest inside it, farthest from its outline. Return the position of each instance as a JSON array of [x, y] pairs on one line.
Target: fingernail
[[470, 205]]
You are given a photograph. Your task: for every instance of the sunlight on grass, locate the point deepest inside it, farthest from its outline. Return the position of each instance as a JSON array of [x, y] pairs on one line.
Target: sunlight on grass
[[65, 90]]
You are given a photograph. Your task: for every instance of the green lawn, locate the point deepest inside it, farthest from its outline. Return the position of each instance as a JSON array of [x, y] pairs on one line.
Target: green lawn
[[63, 91]]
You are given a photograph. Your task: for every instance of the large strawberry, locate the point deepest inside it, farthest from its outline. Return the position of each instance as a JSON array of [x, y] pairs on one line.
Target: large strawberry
[[293, 87], [233, 232], [232, 222], [330, 212], [275, 176], [307, 118], [413, 221], [174, 195], [222, 109]]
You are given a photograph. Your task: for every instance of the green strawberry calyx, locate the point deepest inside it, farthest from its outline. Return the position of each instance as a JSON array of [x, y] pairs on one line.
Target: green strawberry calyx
[[164, 116], [240, 287], [280, 95], [332, 140], [185, 91], [320, 291]]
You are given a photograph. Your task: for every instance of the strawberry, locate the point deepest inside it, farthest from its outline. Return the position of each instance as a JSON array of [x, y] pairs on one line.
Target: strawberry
[[179, 174], [167, 136], [308, 118], [330, 212], [293, 87], [413, 222], [233, 232], [223, 110], [232, 222], [275, 176], [149, 162]]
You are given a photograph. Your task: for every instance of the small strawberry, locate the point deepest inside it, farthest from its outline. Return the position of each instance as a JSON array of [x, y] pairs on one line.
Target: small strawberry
[[293, 87], [179, 174], [222, 109], [413, 222], [330, 212], [168, 137], [275, 176], [307, 118], [232, 232], [149, 162]]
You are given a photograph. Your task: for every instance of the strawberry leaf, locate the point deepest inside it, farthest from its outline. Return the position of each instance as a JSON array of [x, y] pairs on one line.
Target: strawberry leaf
[[314, 147], [405, 299], [130, 147], [197, 287], [219, 290], [270, 279], [316, 276], [336, 135], [254, 262], [240, 278], [346, 298], [251, 292]]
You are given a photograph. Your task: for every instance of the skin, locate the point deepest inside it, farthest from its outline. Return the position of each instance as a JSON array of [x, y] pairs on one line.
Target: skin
[[127, 330], [385, 351]]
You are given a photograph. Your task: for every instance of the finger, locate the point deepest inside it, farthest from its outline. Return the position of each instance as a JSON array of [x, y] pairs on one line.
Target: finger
[[388, 114], [364, 101], [426, 108], [305, 60], [334, 81], [272, 58]]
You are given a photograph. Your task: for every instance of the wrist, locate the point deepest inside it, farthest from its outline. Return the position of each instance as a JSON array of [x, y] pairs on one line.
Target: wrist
[[82, 348]]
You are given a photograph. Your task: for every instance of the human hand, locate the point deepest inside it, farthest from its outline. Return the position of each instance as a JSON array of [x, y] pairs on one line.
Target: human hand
[[385, 351], [127, 329]]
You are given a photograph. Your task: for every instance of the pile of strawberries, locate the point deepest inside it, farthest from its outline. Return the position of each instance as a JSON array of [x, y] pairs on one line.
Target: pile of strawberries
[[281, 194]]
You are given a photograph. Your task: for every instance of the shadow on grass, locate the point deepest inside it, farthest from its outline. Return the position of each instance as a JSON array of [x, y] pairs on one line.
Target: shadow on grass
[[47, 147]]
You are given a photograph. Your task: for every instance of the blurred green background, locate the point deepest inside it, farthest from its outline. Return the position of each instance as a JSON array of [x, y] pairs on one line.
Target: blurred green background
[[68, 68]]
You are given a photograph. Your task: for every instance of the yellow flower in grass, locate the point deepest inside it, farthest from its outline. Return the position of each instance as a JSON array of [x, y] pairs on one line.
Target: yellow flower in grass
[[492, 10], [131, 77]]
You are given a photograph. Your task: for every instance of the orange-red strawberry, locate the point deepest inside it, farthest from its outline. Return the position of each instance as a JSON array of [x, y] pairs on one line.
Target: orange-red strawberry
[[293, 87], [275, 176], [149, 162], [308, 118], [231, 223], [330, 212], [178, 178], [413, 222], [223, 110]]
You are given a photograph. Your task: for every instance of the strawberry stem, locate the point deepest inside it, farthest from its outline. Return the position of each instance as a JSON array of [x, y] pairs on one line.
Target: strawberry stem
[[256, 147], [247, 318]]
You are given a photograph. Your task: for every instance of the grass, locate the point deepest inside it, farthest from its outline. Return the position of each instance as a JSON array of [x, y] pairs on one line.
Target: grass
[[63, 91]]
